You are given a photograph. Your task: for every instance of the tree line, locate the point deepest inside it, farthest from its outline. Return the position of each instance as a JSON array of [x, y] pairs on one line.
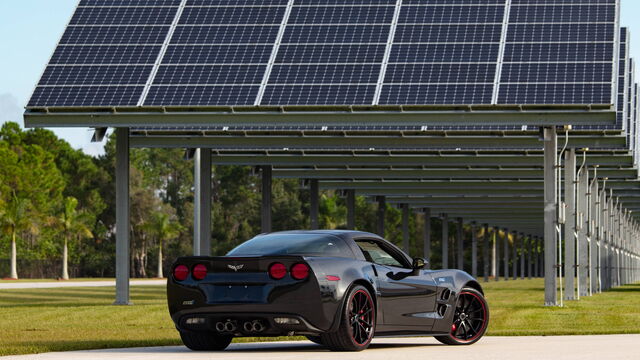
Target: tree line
[[57, 208]]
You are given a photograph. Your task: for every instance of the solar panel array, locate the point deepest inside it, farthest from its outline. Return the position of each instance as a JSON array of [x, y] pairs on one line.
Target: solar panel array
[[333, 52]]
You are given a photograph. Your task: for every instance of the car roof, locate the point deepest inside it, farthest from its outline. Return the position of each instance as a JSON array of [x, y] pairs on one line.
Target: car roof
[[339, 233]]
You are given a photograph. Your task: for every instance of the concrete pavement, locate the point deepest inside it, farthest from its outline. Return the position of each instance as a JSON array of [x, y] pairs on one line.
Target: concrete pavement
[[600, 347], [65, 284]]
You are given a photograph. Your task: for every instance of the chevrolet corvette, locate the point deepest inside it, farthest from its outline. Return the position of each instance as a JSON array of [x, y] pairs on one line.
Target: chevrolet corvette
[[338, 288]]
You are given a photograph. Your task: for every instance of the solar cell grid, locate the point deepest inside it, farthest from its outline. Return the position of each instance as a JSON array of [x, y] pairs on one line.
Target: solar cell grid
[[194, 35], [114, 35], [124, 16], [129, 3], [223, 15]]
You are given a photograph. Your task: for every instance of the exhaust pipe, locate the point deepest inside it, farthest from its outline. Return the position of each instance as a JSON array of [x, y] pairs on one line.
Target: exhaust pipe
[[229, 326], [248, 327], [220, 326], [257, 326]]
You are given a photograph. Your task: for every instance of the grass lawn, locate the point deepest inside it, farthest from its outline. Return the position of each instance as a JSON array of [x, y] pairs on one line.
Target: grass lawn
[[42, 320]]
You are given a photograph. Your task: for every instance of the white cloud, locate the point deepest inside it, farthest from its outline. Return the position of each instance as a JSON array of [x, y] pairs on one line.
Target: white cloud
[[9, 109]]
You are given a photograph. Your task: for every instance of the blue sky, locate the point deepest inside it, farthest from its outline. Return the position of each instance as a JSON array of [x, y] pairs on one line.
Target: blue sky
[[30, 29]]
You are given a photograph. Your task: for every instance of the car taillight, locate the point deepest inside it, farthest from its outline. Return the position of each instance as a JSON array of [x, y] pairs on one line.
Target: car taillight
[[180, 272], [277, 271], [199, 272], [300, 271]]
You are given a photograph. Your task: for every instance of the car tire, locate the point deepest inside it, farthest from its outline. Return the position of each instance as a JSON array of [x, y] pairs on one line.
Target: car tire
[[357, 323], [205, 341], [470, 319], [315, 339]]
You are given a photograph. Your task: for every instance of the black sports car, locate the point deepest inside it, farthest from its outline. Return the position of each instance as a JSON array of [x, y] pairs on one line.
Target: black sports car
[[337, 288]]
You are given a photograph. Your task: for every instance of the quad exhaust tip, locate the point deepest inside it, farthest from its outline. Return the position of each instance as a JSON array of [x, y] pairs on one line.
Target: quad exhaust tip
[[228, 326], [254, 326]]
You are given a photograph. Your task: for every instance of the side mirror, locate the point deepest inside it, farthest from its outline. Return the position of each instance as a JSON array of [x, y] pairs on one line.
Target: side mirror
[[419, 263]]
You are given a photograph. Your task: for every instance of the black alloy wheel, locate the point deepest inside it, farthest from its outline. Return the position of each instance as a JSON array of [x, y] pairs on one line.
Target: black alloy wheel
[[357, 325], [470, 319]]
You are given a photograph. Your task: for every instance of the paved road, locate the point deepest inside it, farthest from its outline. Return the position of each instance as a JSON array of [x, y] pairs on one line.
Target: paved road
[[604, 347], [64, 284]]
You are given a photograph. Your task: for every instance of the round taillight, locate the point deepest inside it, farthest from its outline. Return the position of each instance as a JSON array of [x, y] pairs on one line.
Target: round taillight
[[300, 271], [277, 271], [180, 272], [199, 272]]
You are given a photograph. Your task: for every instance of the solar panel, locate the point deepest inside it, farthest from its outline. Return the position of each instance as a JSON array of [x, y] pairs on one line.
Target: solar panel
[[333, 52]]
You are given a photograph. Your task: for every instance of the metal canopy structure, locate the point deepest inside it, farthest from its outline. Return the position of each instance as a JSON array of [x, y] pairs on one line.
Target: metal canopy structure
[[514, 115]]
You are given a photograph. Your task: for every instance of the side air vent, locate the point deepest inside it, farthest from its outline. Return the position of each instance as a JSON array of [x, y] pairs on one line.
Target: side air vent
[[442, 310], [446, 294]]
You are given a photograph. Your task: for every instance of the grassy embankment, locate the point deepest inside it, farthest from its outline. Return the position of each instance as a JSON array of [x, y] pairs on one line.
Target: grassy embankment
[[42, 320]]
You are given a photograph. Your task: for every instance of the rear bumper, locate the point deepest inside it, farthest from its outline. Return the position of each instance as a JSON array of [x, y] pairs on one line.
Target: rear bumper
[[242, 324], [315, 311]]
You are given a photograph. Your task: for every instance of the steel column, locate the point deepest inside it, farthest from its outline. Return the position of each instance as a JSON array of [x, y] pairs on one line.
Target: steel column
[[474, 250], [427, 237], [522, 255], [445, 241], [506, 255], [351, 209], [266, 198], [460, 243], [382, 209], [530, 255], [405, 227], [570, 228], [314, 201], [550, 216], [593, 235], [495, 260], [122, 217], [485, 253], [514, 258], [202, 203], [583, 243]]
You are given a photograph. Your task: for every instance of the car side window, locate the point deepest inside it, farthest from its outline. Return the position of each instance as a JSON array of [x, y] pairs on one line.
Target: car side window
[[374, 253]]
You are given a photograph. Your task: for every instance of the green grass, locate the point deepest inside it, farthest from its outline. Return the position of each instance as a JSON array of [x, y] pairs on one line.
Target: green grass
[[516, 310], [42, 320]]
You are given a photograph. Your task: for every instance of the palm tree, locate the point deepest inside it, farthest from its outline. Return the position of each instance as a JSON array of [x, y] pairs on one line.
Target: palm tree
[[163, 228], [14, 220], [73, 222]]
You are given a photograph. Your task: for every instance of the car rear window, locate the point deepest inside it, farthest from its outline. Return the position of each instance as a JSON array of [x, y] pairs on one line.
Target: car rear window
[[294, 244]]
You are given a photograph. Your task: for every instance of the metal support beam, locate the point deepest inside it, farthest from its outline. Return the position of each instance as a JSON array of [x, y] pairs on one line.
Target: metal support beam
[[474, 250], [426, 235], [485, 253], [405, 227], [202, 203], [570, 228], [522, 255], [314, 203], [460, 243], [514, 252], [582, 245], [495, 255], [445, 241], [506, 255], [530, 254], [122, 217], [266, 198], [351, 209], [550, 214], [594, 216], [382, 209]]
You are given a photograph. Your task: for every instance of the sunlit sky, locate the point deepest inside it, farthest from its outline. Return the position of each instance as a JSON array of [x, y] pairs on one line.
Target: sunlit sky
[[30, 29]]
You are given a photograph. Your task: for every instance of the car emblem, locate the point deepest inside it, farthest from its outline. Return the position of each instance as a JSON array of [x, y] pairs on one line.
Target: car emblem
[[235, 267]]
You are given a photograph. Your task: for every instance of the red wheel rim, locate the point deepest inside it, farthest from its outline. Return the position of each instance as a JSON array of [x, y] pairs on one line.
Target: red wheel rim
[[470, 318], [361, 317]]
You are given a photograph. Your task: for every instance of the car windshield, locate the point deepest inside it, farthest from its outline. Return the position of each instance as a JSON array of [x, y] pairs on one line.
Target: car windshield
[[294, 244]]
